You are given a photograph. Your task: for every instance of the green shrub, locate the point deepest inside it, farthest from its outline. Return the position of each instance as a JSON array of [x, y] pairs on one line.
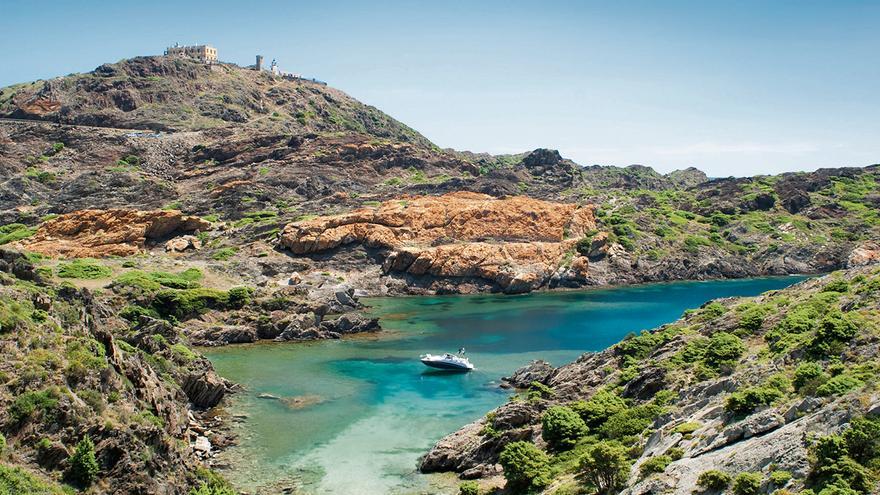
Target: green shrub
[[835, 330], [239, 297], [134, 313], [808, 377], [630, 421], [2, 444], [744, 402], [836, 285], [713, 310], [211, 484], [724, 349], [224, 253], [606, 466], [838, 385], [15, 232], [83, 268], [747, 484], [525, 466], [862, 440], [713, 480], [187, 303], [469, 488], [585, 244], [538, 390], [688, 428], [656, 464], [752, 318], [83, 467], [27, 404], [562, 427], [693, 243], [17, 481], [183, 353], [601, 406], [674, 453], [779, 478]]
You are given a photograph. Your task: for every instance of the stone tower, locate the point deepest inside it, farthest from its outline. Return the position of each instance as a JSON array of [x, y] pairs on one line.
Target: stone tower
[[259, 65]]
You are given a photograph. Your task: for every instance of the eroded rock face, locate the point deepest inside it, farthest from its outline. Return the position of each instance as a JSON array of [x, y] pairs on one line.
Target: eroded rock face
[[99, 233], [516, 242], [867, 253]]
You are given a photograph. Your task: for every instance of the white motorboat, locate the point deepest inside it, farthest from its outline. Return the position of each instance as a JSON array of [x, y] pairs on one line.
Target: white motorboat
[[447, 362]]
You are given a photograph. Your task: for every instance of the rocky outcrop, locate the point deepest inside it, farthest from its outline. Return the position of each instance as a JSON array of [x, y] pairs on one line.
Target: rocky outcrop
[[866, 253], [205, 389], [100, 233], [517, 242]]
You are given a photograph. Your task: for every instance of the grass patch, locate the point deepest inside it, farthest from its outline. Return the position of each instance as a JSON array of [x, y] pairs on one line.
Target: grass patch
[[84, 268]]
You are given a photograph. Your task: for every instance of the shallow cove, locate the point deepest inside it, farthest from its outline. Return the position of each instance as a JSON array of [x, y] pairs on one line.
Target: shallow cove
[[356, 414]]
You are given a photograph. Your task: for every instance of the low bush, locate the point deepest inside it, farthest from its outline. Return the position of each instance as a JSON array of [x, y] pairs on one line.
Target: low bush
[[15, 232], [153, 281], [747, 484], [14, 481], [630, 421], [538, 391], [224, 253], [743, 402], [469, 488], [724, 349], [656, 464], [752, 318], [836, 285], [808, 377], [83, 268], [29, 403], [713, 480], [188, 303], [779, 478], [838, 385], [562, 427], [606, 466], [688, 428], [601, 406], [239, 297], [211, 484], [835, 330], [674, 453], [526, 467], [713, 310]]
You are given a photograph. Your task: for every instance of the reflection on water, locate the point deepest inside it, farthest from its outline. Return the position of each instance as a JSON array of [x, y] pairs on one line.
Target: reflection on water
[[372, 408]]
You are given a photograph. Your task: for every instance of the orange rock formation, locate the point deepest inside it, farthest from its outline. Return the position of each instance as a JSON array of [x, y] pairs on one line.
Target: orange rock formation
[[99, 233], [517, 242]]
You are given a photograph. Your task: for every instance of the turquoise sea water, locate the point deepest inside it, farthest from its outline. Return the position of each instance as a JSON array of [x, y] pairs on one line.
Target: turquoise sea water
[[359, 412]]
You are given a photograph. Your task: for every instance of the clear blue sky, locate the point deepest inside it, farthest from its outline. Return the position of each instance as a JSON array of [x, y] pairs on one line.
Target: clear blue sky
[[732, 87]]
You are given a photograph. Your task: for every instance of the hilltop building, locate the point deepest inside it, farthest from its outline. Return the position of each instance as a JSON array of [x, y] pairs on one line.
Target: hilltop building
[[203, 53]]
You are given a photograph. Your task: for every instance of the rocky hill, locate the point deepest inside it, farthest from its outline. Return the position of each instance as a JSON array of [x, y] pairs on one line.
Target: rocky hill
[[777, 392], [179, 94]]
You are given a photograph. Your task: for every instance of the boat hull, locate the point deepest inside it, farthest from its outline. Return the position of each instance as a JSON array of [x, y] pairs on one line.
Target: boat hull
[[442, 365]]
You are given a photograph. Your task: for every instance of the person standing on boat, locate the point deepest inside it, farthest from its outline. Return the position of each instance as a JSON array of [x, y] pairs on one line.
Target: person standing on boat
[[461, 351]]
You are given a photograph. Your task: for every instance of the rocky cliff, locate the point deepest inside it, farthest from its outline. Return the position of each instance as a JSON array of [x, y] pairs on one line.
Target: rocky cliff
[[517, 243], [748, 388]]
